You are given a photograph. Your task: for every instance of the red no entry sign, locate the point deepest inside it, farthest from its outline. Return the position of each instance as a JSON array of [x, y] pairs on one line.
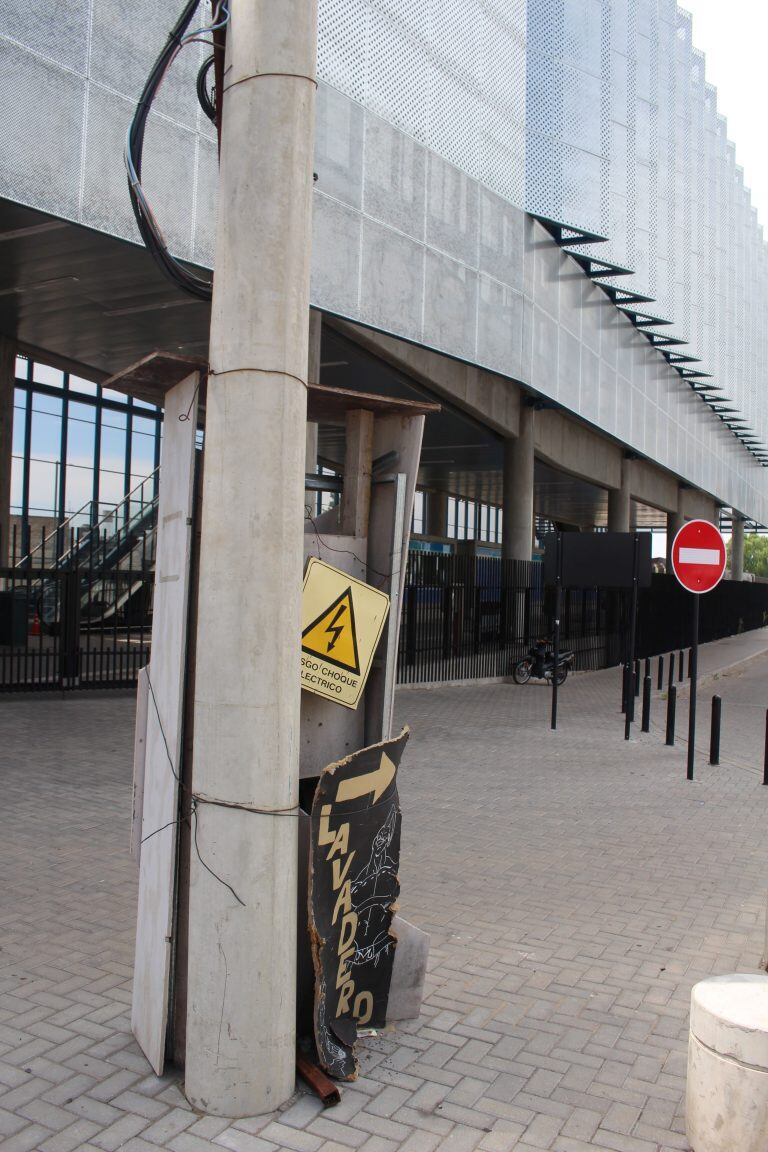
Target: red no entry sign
[[698, 556]]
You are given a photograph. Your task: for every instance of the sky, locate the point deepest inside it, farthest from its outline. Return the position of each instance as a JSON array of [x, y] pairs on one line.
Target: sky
[[733, 37]]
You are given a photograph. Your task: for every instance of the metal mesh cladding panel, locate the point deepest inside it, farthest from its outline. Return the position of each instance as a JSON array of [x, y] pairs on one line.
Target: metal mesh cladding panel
[[595, 112]]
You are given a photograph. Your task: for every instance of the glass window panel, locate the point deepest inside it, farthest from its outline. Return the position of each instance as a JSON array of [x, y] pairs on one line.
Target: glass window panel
[[112, 475], [110, 488], [80, 441], [142, 454], [418, 512], [110, 419], [483, 521], [17, 482], [451, 516], [79, 489], [145, 426], [43, 486], [42, 403], [144, 404], [77, 384], [82, 413], [499, 518], [44, 374], [19, 420], [470, 521], [22, 366], [110, 394], [46, 435]]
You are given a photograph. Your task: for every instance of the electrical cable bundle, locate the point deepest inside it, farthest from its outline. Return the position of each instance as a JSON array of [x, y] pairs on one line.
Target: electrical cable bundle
[[148, 227]]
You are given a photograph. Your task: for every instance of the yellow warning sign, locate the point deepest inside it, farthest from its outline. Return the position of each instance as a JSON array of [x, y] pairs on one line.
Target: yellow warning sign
[[341, 622]]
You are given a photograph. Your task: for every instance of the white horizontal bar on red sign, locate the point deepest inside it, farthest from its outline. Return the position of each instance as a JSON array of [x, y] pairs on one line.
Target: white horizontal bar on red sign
[[700, 556]]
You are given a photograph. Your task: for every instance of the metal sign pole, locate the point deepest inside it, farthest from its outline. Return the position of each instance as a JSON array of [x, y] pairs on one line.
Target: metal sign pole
[[556, 634], [694, 670], [629, 712]]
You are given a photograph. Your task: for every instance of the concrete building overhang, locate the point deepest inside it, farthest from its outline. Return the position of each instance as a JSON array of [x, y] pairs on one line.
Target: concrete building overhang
[[87, 301], [94, 304]]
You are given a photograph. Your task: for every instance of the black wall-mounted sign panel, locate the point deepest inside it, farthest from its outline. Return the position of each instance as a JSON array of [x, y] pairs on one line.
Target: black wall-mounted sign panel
[[598, 559]]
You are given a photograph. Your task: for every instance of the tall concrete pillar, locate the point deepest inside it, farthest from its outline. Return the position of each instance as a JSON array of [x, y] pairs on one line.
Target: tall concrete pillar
[[7, 380], [517, 522], [436, 507], [241, 1049], [675, 521], [737, 547], [620, 501]]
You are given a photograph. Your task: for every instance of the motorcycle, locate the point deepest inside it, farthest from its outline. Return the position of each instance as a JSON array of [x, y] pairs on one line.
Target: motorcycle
[[540, 663]]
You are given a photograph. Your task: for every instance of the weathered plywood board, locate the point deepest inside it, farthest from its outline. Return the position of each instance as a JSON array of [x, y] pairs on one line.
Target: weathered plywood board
[[139, 761], [149, 1013]]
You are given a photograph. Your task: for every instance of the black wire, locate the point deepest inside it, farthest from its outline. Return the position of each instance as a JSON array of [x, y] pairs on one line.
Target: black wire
[[197, 849], [188, 281], [203, 95]]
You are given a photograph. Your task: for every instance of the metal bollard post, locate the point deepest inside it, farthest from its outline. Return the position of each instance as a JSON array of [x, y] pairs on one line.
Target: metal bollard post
[[646, 725], [671, 669], [765, 758], [637, 677], [671, 704], [681, 667], [647, 666], [660, 680], [690, 661], [714, 732], [624, 687]]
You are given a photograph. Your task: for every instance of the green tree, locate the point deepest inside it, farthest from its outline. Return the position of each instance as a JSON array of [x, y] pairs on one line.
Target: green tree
[[755, 554]]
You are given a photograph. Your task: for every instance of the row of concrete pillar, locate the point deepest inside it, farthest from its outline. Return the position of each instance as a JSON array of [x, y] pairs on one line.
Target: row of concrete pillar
[[518, 505]]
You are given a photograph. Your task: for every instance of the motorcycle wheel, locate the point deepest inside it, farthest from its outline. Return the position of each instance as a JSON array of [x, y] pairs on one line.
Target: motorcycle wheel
[[562, 674], [521, 673]]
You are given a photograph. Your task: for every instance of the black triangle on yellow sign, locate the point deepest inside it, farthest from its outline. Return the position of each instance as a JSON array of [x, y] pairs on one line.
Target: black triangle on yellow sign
[[333, 636]]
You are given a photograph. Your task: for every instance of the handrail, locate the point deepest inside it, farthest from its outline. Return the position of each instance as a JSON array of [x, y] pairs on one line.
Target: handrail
[[93, 527]]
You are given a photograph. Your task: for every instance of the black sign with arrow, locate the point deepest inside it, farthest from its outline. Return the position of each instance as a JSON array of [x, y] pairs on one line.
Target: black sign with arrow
[[353, 891]]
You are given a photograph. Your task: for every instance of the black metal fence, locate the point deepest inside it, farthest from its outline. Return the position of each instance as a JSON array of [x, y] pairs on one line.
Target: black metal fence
[[472, 617], [664, 613], [86, 628], [76, 611], [467, 617]]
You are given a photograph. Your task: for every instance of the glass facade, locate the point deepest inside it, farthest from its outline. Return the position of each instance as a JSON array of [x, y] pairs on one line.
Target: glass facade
[[78, 449]]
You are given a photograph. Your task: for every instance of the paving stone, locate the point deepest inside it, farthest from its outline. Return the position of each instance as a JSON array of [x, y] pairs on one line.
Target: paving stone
[[559, 875]]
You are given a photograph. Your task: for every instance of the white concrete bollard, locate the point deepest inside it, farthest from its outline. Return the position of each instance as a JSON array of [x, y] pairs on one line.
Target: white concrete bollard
[[727, 1093]]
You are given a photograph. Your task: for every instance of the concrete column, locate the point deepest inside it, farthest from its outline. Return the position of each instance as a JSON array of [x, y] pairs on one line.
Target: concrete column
[[241, 1048], [7, 379], [620, 501], [675, 521], [358, 458], [437, 513], [517, 522], [737, 547]]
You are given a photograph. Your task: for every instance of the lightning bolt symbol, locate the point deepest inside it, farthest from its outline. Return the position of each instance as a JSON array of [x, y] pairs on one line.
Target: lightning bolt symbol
[[336, 630]]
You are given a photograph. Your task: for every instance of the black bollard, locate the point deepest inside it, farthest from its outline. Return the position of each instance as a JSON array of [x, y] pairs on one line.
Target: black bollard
[[671, 703], [646, 725], [714, 732], [690, 661], [624, 670], [660, 680], [671, 669], [681, 667], [647, 666], [637, 677]]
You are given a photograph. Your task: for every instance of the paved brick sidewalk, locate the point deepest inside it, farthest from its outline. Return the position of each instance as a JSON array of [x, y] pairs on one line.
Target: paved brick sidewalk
[[575, 887]]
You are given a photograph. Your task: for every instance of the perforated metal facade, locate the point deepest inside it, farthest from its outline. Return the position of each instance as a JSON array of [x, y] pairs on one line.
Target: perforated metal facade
[[438, 120]]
